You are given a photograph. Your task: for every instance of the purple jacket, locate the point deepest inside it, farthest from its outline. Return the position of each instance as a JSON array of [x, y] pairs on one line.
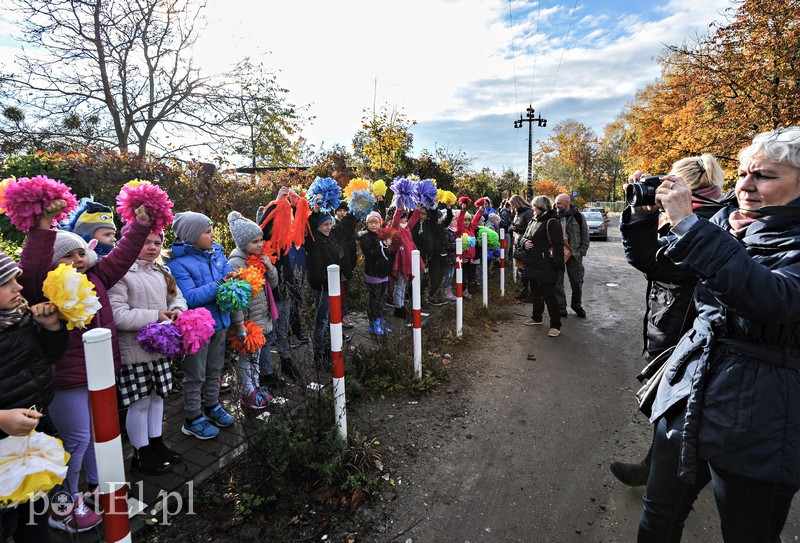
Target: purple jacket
[[70, 369]]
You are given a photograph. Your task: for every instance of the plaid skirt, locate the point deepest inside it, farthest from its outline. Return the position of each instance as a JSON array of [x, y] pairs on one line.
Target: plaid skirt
[[137, 381]]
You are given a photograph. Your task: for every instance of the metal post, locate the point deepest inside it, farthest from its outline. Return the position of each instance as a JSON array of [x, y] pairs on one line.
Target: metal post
[[416, 311], [502, 262], [459, 289], [485, 268]]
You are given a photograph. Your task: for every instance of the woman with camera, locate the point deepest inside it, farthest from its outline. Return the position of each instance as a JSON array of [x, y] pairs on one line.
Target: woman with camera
[[541, 249], [728, 406], [669, 288]]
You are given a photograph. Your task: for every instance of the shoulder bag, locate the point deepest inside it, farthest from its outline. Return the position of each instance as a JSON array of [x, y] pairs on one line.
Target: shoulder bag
[[567, 248]]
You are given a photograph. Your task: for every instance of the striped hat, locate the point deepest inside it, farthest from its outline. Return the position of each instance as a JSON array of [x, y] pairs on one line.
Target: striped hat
[[8, 268]]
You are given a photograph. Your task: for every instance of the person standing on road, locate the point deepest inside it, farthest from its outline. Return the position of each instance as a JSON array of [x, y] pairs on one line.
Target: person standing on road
[[522, 215], [540, 267], [669, 287], [728, 406], [577, 232]]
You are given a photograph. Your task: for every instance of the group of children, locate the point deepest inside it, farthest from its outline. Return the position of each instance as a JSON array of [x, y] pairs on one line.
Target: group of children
[[135, 287]]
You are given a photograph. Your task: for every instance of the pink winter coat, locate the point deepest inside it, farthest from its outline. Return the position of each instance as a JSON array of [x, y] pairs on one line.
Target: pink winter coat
[[402, 260], [469, 229]]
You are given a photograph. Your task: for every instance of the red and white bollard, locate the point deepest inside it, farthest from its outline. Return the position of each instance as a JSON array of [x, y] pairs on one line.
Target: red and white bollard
[[105, 427], [337, 343], [416, 311], [485, 268], [459, 288], [502, 262]]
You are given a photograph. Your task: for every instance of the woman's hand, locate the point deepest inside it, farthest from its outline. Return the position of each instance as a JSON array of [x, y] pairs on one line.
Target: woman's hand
[[528, 245], [46, 314], [19, 421], [675, 198]]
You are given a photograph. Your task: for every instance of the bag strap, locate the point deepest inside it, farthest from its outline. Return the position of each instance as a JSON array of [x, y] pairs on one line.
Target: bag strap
[[547, 230]]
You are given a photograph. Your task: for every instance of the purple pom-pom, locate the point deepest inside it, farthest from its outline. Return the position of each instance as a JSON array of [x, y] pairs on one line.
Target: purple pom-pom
[[403, 190], [161, 337], [425, 193]]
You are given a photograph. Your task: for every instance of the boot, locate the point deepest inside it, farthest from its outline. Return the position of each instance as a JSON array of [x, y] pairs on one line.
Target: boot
[[288, 368], [164, 453], [384, 329], [377, 328], [145, 460], [633, 474]]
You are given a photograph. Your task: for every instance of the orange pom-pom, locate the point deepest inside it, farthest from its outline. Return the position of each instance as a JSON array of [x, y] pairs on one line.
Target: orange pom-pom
[[252, 275], [252, 343]]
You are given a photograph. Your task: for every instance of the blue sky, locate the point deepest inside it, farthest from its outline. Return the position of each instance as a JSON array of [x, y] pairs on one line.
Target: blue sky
[[463, 69]]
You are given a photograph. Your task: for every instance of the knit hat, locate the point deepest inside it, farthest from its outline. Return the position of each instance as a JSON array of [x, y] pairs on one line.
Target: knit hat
[[242, 229], [493, 217], [8, 268], [324, 217], [189, 225], [91, 216], [376, 215], [66, 242], [343, 205]]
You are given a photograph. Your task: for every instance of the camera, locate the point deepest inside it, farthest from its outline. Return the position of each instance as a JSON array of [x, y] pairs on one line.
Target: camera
[[643, 192]]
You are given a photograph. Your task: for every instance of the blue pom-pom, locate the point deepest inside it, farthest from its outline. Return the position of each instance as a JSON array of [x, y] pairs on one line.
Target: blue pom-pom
[[234, 295], [330, 191], [361, 203], [403, 190], [472, 241], [425, 193]]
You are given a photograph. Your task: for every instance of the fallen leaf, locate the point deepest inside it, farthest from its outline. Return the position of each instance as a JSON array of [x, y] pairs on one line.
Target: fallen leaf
[[322, 527], [323, 494], [356, 499], [228, 497]]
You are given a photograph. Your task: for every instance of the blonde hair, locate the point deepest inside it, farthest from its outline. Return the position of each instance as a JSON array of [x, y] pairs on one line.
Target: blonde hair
[[699, 172], [542, 202], [518, 202]]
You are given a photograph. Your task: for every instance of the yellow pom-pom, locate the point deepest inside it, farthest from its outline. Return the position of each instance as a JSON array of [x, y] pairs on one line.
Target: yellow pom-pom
[[73, 294], [379, 188], [446, 197], [136, 182], [358, 183], [3, 184]]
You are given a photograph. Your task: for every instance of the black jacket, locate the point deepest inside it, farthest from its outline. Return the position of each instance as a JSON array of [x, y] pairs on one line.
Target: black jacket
[[377, 258], [521, 219], [344, 232], [27, 352], [321, 252], [429, 235], [537, 263]]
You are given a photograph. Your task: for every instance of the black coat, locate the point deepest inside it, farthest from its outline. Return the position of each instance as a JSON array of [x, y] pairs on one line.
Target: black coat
[[321, 252], [377, 259], [344, 232], [27, 352], [429, 235], [537, 263], [522, 217], [737, 368]]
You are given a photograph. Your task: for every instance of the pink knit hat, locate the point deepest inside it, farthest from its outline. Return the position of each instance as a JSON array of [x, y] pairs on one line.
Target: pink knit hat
[[376, 215]]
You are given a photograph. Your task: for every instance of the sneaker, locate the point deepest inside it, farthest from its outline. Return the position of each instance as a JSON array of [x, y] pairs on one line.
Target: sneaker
[[532, 321], [554, 332], [294, 343], [258, 399], [302, 337], [467, 295], [437, 302], [449, 297], [219, 416], [346, 324], [224, 385], [81, 519], [200, 428]]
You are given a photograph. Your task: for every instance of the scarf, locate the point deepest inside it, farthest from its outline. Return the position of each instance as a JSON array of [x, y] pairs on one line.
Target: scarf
[[739, 223], [10, 317]]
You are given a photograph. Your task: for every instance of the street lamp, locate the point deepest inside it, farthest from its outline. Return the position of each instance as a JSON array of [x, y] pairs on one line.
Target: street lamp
[[530, 119]]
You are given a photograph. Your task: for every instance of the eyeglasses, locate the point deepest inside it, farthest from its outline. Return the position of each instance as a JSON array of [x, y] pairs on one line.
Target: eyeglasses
[[786, 135]]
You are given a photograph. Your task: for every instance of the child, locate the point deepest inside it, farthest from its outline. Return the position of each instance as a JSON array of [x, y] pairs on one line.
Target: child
[[44, 250], [449, 263], [344, 230], [468, 254], [200, 267], [95, 221], [254, 370], [30, 341], [322, 251], [376, 246], [146, 294], [401, 268]]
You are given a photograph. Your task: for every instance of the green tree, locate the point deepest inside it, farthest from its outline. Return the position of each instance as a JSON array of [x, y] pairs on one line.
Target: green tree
[[383, 142]]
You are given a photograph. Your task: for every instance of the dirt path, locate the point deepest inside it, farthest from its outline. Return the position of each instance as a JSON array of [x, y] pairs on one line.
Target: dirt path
[[518, 450]]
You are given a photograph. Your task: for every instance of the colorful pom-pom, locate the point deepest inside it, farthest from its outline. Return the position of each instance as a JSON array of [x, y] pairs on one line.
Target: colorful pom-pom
[[472, 242], [446, 197], [138, 193], [361, 203], [492, 237], [403, 189], [73, 294], [379, 188], [464, 200], [3, 184], [425, 193], [252, 342], [358, 183], [196, 327], [253, 276], [330, 191], [234, 295], [255, 261], [162, 338], [25, 199]]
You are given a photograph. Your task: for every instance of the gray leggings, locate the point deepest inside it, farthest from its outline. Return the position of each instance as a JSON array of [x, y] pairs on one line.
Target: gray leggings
[[201, 373]]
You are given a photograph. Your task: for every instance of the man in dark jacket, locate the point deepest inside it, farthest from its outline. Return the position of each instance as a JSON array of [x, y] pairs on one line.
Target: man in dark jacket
[[573, 223]]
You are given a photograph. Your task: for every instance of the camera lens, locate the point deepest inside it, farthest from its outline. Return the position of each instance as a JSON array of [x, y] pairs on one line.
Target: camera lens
[[640, 194]]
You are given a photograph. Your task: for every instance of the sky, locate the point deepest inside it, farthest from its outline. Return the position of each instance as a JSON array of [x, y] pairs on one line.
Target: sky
[[464, 70]]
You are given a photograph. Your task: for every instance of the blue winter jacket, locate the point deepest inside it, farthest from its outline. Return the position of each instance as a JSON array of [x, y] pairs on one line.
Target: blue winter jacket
[[197, 272], [731, 390]]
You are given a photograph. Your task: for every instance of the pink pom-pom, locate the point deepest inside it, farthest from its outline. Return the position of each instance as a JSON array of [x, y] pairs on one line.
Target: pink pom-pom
[[197, 327], [159, 207], [25, 200]]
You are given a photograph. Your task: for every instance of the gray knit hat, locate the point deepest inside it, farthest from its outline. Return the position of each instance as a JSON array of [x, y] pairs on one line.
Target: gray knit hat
[[242, 229], [8, 268], [189, 225], [66, 242]]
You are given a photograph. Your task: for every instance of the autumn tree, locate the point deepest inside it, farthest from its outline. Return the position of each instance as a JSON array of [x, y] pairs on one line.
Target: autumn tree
[[609, 161], [569, 158], [383, 142]]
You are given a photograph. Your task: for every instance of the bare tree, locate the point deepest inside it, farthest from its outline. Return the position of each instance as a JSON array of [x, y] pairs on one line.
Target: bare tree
[[126, 65]]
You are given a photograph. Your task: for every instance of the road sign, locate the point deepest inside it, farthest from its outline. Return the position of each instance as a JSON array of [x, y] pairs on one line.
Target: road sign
[[574, 193]]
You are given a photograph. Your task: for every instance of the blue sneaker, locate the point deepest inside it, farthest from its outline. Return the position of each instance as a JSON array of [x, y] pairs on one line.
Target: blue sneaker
[[219, 417], [200, 428], [258, 399]]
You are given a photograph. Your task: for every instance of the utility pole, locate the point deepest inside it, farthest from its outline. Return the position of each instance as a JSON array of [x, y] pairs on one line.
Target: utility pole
[[530, 119]]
